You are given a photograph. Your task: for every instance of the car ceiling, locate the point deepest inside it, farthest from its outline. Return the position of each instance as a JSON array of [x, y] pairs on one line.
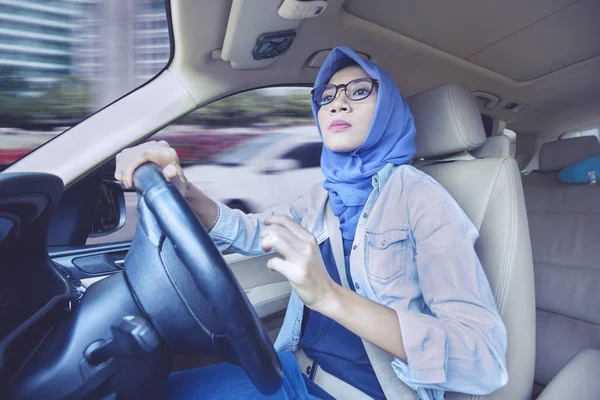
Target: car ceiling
[[543, 53]]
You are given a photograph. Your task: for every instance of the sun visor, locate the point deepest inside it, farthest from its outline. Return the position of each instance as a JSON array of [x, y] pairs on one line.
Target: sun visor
[[259, 31]]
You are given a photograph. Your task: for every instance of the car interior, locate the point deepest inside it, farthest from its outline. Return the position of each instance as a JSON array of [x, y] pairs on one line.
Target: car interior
[[111, 313]]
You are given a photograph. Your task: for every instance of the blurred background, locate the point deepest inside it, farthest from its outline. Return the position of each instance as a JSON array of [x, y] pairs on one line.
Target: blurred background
[[63, 60]]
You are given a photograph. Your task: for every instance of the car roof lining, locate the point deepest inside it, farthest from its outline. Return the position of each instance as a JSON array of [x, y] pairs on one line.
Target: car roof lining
[[200, 27]]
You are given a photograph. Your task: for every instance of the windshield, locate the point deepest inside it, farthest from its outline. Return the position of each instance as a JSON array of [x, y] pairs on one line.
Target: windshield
[[63, 60]]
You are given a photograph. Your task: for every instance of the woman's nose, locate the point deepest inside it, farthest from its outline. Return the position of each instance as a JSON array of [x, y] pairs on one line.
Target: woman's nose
[[340, 103]]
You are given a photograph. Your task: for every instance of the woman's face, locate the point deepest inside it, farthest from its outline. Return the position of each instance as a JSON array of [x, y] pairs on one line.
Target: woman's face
[[345, 123]]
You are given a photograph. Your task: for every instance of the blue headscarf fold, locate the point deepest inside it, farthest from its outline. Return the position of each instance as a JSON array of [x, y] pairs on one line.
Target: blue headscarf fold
[[390, 140]]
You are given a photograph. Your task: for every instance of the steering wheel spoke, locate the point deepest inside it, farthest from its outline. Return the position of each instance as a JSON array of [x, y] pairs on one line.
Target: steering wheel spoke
[[186, 288]]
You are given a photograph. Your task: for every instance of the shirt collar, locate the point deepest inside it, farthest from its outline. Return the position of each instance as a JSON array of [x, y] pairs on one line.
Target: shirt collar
[[381, 177]]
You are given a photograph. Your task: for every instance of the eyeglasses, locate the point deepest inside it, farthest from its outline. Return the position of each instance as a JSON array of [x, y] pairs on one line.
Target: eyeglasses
[[355, 90]]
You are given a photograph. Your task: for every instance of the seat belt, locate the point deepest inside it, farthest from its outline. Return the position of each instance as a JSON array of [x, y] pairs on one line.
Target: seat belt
[[393, 387]]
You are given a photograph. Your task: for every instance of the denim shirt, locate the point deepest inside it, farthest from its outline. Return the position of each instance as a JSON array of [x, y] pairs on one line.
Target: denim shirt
[[414, 253]]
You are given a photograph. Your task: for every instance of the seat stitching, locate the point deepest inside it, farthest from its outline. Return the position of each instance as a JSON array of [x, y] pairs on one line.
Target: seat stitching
[[455, 115], [503, 278], [487, 203], [453, 110], [560, 314], [508, 252]]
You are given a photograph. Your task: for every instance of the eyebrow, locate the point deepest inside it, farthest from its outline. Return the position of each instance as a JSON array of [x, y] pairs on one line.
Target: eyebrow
[[345, 83]]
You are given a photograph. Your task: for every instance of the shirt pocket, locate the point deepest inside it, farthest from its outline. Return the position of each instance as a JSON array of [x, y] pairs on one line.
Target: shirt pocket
[[386, 253]]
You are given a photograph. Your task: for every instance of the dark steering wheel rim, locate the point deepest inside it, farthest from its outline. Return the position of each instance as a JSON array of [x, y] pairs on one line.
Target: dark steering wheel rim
[[212, 277]]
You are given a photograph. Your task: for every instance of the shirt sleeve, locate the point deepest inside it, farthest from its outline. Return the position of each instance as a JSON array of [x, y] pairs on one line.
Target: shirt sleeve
[[459, 344], [239, 232]]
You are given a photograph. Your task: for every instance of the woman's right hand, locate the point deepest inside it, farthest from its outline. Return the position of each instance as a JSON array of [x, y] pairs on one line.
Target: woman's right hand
[[160, 153]]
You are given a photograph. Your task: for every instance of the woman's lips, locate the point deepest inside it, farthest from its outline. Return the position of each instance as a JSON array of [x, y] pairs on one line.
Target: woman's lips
[[339, 125]]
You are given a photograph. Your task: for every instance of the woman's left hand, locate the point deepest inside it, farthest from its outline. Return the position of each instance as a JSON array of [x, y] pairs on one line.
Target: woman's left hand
[[302, 264]]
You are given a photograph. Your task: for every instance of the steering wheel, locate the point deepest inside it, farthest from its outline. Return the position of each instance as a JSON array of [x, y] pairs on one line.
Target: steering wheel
[[188, 290]]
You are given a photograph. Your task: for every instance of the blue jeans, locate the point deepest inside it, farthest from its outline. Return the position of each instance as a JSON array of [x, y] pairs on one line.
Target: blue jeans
[[228, 381]]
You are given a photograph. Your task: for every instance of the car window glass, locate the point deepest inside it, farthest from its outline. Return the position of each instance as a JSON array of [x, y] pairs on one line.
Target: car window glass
[[241, 153], [308, 155], [230, 148], [590, 130], [63, 60], [249, 151], [593, 130]]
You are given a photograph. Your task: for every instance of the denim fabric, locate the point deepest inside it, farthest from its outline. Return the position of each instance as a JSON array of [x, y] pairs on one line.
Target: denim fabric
[[414, 252], [229, 381]]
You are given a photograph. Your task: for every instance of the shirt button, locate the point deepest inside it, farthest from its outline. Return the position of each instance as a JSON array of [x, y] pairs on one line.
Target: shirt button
[[354, 247], [304, 224], [357, 286], [383, 242], [365, 215]]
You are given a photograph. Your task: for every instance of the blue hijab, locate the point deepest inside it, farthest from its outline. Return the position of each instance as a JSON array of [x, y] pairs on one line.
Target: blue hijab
[[391, 139]]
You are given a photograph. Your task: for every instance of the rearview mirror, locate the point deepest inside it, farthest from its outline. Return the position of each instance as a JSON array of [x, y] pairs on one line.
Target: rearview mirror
[[109, 213]]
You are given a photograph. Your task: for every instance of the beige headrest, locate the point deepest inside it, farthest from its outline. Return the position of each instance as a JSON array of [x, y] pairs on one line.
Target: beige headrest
[[447, 120], [560, 154]]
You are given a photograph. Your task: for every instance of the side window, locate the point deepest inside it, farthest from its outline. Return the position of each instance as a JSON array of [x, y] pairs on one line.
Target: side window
[[308, 155], [242, 150], [233, 148], [586, 131], [591, 130]]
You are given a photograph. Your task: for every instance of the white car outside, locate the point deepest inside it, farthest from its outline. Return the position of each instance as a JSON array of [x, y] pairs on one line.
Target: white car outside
[[262, 171]]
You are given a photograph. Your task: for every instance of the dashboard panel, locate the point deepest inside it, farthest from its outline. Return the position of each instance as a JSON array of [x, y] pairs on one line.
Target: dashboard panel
[[32, 291]]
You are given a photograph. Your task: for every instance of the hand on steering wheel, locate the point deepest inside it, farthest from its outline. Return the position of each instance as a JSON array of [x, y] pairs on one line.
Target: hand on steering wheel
[[159, 153], [206, 273]]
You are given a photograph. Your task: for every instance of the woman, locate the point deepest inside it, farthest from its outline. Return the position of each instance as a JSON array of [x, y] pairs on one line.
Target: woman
[[418, 290]]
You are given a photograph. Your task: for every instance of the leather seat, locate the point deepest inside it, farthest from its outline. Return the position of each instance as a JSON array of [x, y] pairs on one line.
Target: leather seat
[[564, 221], [490, 192], [577, 380], [494, 146]]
